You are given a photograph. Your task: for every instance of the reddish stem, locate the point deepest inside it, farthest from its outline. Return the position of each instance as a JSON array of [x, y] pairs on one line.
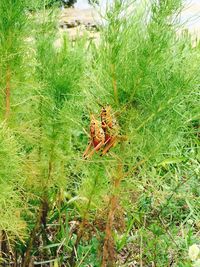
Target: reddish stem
[[114, 82], [108, 247]]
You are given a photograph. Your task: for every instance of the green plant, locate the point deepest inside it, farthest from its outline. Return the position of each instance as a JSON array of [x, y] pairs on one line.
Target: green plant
[[138, 203], [12, 224], [141, 69], [58, 74], [12, 24]]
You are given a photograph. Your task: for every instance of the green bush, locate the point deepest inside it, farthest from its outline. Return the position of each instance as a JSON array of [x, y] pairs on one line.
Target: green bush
[[139, 202], [11, 186]]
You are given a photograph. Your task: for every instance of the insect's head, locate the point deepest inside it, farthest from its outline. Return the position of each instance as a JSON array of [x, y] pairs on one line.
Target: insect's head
[[93, 121], [106, 109]]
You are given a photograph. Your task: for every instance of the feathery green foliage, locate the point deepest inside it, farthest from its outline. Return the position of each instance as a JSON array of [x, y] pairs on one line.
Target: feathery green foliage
[[147, 71], [140, 201], [11, 185], [12, 25]]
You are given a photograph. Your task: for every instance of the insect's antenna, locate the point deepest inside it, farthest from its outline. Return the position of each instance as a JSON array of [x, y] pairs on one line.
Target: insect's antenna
[[99, 104], [96, 100], [88, 109], [92, 117]]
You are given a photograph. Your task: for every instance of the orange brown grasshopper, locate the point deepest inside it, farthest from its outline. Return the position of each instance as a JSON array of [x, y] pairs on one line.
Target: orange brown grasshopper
[[102, 135], [97, 138], [110, 127]]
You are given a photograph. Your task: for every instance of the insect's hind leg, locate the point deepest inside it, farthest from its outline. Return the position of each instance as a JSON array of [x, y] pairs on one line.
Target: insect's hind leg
[[95, 149], [109, 145], [87, 149]]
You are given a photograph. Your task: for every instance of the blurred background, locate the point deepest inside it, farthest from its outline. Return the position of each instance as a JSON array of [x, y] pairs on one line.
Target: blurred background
[[190, 15]]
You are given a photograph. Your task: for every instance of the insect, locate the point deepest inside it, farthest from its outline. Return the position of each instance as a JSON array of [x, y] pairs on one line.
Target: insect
[[104, 134], [97, 138], [110, 127]]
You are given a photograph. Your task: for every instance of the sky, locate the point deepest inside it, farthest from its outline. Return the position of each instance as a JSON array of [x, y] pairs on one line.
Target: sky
[[192, 13]]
